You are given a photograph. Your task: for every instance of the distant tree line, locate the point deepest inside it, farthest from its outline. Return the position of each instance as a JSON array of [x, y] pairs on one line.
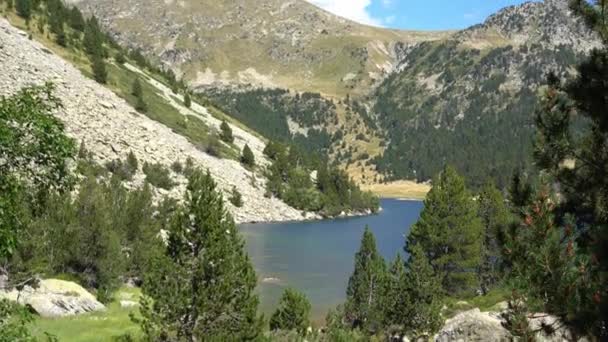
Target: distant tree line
[[306, 181]]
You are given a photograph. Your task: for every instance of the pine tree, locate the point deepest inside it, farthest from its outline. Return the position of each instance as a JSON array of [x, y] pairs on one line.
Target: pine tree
[[570, 264], [203, 287], [495, 218], [136, 89], [363, 308], [226, 132], [120, 58], [76, 20], [247, 158], [93, 38], [24, 9], [187, 100], [422, 313], [293, 312], [449, 232], [98, 65], [396, 298]]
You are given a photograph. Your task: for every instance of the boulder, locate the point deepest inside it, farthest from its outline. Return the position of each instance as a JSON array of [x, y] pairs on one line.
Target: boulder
[[56, 298], [473, 325]]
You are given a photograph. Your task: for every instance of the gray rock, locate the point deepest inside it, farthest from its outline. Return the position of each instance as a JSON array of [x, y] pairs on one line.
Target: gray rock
[[473, 325], [56, 298]]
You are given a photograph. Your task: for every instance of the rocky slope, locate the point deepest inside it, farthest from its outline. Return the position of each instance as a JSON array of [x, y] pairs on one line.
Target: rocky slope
[[288, 44], [111, 128], [469, 100]]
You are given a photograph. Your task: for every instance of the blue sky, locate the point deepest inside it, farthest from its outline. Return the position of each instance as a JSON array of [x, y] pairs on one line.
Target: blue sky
[[416, 14]]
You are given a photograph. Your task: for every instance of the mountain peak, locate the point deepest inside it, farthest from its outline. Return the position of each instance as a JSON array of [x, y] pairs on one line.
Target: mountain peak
[[288, 44], [549, 23]]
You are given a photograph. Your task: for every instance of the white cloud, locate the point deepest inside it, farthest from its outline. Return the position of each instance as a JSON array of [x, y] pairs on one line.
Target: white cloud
[[355, 10]]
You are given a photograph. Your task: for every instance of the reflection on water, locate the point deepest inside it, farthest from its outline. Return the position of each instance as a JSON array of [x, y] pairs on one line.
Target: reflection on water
[[317, 257]]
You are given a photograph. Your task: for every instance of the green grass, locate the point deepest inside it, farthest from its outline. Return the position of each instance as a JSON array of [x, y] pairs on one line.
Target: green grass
[[159, 109], [94, 327], [487, 302]]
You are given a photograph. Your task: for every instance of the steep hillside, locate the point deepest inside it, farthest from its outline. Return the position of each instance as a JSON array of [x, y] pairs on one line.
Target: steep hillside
[[275, 43], [470, 100], [383, 104], [111, 128]]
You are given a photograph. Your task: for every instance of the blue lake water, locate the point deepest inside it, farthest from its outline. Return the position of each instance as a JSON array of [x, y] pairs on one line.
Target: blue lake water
[[317, 257]]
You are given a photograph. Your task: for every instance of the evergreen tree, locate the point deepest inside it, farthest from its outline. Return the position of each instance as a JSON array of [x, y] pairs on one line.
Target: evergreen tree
[[226, 132], [202, 288], [98, 65], [363, 308], [293, 312], [96, 251], [422, 313], [76, 20], [24, 9], [247, 157], [93, 38], [187, 100], [565, 275], [449, 232], [120, 58], [494, 218], [56, 27], [136, 89], [396, 298]]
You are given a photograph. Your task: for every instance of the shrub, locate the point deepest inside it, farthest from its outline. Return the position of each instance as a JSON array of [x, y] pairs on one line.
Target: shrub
[[226, 133], [189, 168], [236, 198], [177, 167], [187, 100], [123, 170], [158, 175], [213, 147], [247, 158], [293, 312], [120, 58]]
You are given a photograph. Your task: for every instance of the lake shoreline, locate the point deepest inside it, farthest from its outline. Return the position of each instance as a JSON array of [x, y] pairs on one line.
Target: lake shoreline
[[316, 257]]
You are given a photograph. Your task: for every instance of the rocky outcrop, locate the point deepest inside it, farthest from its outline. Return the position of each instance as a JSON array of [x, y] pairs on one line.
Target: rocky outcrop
[[474, 325], [111, 128], [55, 298]]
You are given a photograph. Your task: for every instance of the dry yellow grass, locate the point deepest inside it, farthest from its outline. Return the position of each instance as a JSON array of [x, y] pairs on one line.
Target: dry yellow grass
[[399, 189]]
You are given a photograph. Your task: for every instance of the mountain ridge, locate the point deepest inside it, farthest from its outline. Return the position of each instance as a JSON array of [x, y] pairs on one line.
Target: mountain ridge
[[399, 107], [270, 43]]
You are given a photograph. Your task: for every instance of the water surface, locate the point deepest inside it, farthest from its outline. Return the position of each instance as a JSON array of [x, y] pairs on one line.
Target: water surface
[[317, 257]]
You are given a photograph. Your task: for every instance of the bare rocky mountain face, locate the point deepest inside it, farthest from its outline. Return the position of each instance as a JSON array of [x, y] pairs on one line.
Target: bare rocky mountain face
[[273, 43], [111, 128]]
